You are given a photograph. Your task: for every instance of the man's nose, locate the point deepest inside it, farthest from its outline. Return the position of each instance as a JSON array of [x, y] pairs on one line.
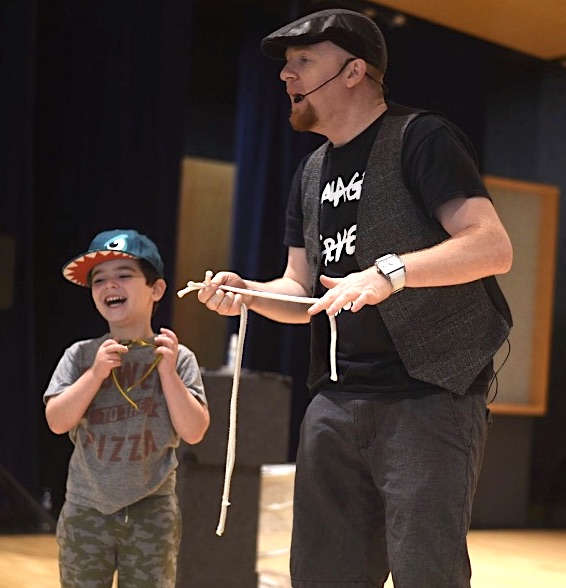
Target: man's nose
[[287, 73]]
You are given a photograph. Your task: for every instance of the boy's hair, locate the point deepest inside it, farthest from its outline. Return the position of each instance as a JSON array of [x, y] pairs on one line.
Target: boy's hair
[[150, 273], [151, 276]]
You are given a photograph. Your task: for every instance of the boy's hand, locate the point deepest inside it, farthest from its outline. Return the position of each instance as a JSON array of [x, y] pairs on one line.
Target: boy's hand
[[107, 358], [168, 346]]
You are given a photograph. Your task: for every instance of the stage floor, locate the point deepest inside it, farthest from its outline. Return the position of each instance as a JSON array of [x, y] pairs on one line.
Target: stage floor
[[500, 559]]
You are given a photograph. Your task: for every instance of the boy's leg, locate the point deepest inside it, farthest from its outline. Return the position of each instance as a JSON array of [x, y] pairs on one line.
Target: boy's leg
[[148, 536], [86, 548]]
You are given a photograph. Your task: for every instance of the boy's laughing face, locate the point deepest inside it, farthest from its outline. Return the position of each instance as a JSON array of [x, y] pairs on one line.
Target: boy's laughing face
[[121, 294]]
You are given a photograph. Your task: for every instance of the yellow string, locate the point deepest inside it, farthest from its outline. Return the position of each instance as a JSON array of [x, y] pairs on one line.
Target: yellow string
[[129, 344]]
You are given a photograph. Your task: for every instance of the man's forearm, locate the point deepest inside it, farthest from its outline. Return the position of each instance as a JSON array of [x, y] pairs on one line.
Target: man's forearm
[[278, 310]]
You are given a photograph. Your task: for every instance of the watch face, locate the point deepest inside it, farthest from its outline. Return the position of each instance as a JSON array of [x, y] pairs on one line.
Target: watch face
[[393, 267], [390, 264]]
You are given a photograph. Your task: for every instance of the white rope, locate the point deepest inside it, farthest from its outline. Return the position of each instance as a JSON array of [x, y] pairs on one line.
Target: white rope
[[231, 449], [192, 286]]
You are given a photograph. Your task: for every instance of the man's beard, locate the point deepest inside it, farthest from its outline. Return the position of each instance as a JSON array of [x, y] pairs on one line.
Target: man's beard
[[303, 119]]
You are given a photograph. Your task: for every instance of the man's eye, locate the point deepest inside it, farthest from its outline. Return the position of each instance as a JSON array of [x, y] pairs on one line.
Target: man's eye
[[298, 61]]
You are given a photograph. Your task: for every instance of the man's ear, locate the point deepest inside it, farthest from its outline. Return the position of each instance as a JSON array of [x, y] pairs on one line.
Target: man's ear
[[356, 72], [158, 289]]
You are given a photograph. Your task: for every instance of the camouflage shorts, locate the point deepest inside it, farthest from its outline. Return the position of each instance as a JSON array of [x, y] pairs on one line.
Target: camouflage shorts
[[140, 542]]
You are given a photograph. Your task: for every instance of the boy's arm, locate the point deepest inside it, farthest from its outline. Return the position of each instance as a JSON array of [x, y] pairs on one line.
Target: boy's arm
[[188, 415], [66, 409]]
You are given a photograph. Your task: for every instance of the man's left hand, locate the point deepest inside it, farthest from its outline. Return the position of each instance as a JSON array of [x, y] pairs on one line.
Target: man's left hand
[[358, 289]]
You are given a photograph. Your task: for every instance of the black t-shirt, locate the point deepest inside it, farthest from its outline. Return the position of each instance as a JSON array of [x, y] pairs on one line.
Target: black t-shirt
[[436, 167]]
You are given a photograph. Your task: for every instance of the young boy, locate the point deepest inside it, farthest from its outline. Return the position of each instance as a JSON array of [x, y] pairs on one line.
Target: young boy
[[125, 399]]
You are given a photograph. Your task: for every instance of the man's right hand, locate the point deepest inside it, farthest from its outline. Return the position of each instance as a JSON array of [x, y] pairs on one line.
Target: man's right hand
[[224, 303]]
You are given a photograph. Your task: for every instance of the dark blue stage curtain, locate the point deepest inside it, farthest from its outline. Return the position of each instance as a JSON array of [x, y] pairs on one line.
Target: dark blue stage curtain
[[93, 105], [267, 153], [19, 448]]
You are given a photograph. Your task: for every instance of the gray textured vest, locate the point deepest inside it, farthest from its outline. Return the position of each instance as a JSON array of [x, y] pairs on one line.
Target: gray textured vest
[[444, 335]]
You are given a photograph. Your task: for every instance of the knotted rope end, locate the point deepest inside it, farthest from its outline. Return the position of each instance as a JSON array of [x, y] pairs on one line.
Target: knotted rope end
[[191, 286]]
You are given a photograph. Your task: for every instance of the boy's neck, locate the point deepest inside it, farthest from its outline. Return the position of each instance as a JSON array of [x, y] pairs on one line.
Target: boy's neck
[[129, 333]]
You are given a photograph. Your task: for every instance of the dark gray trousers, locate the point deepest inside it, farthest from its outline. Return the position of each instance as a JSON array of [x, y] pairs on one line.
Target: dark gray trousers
[[386, 486]]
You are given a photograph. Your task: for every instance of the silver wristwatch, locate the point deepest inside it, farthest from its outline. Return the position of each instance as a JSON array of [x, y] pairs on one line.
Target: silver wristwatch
[[393, 268]]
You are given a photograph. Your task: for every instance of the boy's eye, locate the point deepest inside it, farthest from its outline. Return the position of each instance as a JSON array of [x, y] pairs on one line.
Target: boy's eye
[[101, 280]]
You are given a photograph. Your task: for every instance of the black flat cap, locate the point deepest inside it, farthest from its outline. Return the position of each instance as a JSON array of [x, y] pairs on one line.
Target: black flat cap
[[350, 30]]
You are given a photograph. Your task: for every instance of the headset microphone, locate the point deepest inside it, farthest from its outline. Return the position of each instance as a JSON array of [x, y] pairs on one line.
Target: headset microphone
[[300, 97]]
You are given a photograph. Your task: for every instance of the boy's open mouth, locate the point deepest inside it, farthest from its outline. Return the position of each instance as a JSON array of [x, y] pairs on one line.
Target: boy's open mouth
[[114, 301]]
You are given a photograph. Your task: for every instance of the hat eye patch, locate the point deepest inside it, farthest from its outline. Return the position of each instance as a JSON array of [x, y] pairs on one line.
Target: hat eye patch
[[117, 243]]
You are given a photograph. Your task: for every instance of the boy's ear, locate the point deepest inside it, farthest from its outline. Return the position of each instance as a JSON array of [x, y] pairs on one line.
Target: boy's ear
[[158, 289]]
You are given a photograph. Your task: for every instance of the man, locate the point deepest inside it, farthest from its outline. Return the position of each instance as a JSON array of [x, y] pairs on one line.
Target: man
[[391, 226]]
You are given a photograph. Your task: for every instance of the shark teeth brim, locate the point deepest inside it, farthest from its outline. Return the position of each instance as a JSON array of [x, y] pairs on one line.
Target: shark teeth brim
[[77, 270]]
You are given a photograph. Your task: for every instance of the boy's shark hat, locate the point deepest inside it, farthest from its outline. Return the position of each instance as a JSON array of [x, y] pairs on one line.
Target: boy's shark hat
[[350, 30], [114, 244]]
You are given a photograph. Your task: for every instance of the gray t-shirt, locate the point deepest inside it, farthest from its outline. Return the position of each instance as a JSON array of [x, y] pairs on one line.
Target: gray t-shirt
[[121, 454]]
